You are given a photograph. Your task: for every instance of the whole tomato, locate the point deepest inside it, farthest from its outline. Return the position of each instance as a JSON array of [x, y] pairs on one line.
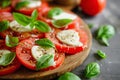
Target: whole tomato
[[92, 7]]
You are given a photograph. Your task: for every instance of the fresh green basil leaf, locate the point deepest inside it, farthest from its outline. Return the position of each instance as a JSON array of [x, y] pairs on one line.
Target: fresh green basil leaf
[[5, 3], [45, 43], [34, 15], [21, 4], [22, 19], [104, 33], [90, 25], [54, 12], [101, 54], [69, 76], [4, 25], [92, 70], [7, 59], [61, 23], [11, 41], [45, 61], [42, 26]]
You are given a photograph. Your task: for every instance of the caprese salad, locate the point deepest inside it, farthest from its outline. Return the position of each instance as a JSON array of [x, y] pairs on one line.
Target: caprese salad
[[36, 36]]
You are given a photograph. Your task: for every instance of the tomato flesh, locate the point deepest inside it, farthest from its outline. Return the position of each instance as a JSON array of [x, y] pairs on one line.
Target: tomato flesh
[[6, 16], [7, 9]]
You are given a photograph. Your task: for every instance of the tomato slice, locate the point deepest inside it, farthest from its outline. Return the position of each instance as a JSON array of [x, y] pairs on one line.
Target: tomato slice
[[28, 11], [23, 52], [6, 16], [7, 9], [13, 66], [61, 47]]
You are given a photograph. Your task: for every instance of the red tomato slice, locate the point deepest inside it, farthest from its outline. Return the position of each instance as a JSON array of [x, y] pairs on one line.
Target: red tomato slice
[[13, 66], [23, 52], [61, 47], [7, 9], [6, 16], [28, 11]]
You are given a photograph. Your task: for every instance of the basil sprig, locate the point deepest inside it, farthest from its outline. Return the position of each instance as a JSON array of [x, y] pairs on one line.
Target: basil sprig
[[45, 43], [11, 41], [7, 58], [61, 23], [25, 20], [45, 61], [104, 33], [21, 4], [54, 12], [5, 3], [92, 70], [101, 54], [69, 76], [4, 25]]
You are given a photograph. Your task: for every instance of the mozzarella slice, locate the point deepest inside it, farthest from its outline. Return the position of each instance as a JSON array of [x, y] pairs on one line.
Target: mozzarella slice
[[15, 26], [69, 37], [4, 52], [38, 51], [34, 3], [65, 15]]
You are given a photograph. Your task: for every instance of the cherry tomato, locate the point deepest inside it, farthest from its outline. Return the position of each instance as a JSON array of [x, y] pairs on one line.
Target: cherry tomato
[[13, 66], [6, 16], [92, 7], [23, 52], [28, 11], [61, 47], [7, 9]]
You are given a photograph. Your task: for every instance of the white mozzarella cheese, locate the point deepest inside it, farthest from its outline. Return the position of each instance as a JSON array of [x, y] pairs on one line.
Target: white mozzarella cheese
[[15, 26], [38, 51], [65, 15], [69, 37], [4, 52], [34, 3]]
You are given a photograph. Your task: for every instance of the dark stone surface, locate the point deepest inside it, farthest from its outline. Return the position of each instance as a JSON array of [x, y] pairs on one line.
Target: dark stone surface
[[110, 67]]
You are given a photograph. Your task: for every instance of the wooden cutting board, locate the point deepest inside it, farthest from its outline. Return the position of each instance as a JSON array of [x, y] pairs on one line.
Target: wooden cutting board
[[71, 62]]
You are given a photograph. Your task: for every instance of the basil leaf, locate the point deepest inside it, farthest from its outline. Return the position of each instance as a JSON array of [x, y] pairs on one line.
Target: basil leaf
[[90, 25], [34, 15], [101, 54], [61, 23], [4, 25], [42, 26], [22, 19], [45, 43], [11, 41], [21, 4], [104, 33], [5, 3], [7, 59], [45, 61], [69, 76], [54, 12], [92, 70]]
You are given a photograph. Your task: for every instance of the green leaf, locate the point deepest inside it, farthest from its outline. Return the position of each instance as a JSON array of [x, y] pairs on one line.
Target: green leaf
[[42, 26], [45, 61], [7, 58], [45, 43], [90, 25], [92, 70], [5, 3], [22, 19], [54, 12], [104, 33], [69, 76], [61, 23], [11, 41], [34, 15], [101, 54], [21, 4], [4, 25]]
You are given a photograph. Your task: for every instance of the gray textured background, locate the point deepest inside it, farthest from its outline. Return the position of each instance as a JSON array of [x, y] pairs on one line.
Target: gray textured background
[[110, 67]]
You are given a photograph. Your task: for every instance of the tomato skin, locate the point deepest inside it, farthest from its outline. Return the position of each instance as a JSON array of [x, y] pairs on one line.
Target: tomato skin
[[28, 11], [6, 16], [13, 66], [23, 52], [92, 7], [66, 48], [7, 9]]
